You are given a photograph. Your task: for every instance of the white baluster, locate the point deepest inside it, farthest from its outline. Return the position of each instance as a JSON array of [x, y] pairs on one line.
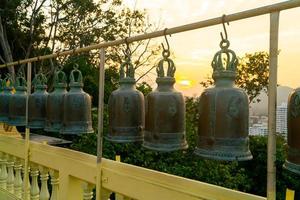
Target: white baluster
[[44, 195], [11, 176], [55, 184], [87, 191], [28, 183], [105, 194], [18, 178], [3, 172], [34, 190]]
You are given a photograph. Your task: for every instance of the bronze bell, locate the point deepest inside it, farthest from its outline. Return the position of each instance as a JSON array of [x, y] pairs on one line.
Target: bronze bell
[[37, 103], [5, 97], [224, 112], [17, 103], [126, 109], [165, 112], [77, 108], [292, 162], [55, 103]]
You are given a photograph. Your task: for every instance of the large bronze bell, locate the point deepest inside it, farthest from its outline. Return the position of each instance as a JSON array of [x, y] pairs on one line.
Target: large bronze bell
[[37, 103], [224, 113], [55, 103], [165, 112], [126, 109], [5, 97], [77, 108], [292, 162], [17, 103]]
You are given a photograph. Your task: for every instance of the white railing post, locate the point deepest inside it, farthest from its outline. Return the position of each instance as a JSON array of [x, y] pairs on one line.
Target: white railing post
[[100, 123], [272, 98], [18, 178], [11, 175], [26, 174]]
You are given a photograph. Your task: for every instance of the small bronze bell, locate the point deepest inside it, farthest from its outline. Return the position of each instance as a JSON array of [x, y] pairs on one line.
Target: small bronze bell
[[292, 162], [165, 112], [5, 97], [55, 103], [77, 108], [17, 103], [126, 109], [37, 103], [224, 113]]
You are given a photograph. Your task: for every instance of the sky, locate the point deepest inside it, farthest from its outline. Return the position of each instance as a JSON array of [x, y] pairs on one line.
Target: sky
[[194, 50]]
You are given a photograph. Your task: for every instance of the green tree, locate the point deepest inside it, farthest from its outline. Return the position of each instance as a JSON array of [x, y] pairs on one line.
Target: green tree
[[252, 74]]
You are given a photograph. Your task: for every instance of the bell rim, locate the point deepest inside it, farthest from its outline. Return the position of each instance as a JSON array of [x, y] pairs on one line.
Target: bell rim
[[124, 139], [165, 147], [12, 123], [67, 132], [36, 124], [291, 167], [52, 130], [223, 155]]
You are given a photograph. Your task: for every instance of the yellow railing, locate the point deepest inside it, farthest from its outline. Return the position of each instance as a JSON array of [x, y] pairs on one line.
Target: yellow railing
[[73, 176]]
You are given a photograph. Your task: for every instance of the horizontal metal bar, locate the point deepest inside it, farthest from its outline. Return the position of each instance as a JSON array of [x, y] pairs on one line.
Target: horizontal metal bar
[[188, 27]]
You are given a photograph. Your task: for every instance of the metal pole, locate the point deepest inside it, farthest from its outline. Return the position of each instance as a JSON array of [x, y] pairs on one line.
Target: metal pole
[[272, 98], [27, 135], [100, 123]]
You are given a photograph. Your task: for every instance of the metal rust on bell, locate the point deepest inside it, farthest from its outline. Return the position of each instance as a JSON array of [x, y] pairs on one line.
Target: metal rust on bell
[[126, 108], [77, 108], [292, 162], [55, 103], [37, 103], [165, 111], [17, 102], [224, 112]]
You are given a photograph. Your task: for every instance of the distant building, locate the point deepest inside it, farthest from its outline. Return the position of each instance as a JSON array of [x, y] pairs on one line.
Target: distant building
[[258, 129], [281, 118]]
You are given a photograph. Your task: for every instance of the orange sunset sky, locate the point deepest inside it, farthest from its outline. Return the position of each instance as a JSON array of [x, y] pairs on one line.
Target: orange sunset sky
[[194, 50]]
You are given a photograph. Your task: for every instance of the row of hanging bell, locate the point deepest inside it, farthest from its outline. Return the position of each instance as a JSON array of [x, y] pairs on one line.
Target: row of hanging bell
[[223, 115], [59, 111], [292, 162], [68, 112], [159, 121]]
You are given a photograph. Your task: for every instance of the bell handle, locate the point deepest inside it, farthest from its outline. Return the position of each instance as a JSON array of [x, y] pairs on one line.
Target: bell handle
[[60, 77], [20, 81], [170, 69], [40, 79], [129, 70], [79, 77]]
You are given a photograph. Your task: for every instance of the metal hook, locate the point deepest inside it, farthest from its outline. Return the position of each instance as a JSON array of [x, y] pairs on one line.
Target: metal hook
[[224, 28], [127, 52], [165, 35]]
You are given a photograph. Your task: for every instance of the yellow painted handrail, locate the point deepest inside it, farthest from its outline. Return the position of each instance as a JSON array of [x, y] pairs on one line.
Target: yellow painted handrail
[[135, 182]]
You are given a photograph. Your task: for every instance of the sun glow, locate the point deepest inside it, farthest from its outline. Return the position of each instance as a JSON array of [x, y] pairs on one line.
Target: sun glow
[[184, 83]]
